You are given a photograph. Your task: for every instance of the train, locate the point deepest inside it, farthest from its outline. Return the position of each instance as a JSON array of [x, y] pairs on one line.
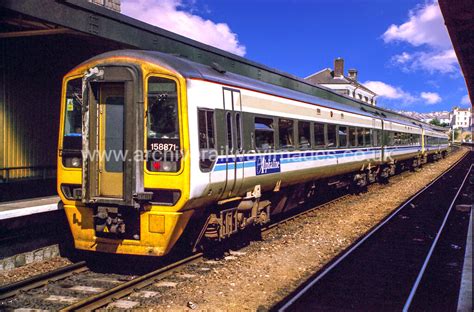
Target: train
[[157, 151]]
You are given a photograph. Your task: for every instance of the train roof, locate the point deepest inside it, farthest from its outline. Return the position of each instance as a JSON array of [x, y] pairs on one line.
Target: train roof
[[190, 69]]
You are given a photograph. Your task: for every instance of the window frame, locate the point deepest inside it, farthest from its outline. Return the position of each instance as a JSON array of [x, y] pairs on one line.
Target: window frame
[[293, 134], [206, 112], [338, 136], [325, 137], [254, 132], [180, 122], [298, 134]]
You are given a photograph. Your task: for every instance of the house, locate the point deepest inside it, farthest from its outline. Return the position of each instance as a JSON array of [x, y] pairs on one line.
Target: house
[[445, 118], [462, 118], [339, 82]]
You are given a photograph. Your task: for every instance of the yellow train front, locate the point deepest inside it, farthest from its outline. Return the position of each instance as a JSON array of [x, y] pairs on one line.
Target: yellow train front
[[116, 197]]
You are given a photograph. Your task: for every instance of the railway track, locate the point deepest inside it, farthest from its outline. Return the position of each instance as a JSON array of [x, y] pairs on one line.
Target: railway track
[[14, 289], [76, 287], [80, 301], [392, 267], [134, 285]]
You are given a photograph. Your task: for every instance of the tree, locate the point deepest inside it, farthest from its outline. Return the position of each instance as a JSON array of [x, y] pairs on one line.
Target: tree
[[456, 134], [435, 122]]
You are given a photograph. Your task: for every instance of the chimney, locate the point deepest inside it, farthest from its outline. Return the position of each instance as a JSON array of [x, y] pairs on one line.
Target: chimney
[[353, 74], [338, 67]]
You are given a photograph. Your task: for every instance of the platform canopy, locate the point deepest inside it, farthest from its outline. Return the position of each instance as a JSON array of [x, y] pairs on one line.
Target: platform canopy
[[459, 19]]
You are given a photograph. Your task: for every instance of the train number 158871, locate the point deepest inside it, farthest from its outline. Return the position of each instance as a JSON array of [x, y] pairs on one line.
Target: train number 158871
[[164, 147]]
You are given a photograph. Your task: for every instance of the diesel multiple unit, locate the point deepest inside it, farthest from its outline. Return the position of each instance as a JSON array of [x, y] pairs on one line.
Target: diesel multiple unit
[[155, 149]]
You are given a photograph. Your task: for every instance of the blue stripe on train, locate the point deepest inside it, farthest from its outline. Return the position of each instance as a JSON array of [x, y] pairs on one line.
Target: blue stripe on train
[[310, 154], [249, 161]]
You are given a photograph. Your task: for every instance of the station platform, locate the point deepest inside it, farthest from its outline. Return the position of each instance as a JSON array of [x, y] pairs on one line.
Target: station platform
[[465, 302], [27, 207]]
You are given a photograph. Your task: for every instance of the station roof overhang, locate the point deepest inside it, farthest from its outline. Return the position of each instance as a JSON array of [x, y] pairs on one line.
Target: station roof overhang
[[79, 17], [459, 19]]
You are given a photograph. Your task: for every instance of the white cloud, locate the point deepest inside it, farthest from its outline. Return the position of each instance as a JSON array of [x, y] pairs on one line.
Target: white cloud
[[438, 61], [177, 16], [398, 98], [424, 26], [430, 97], [385, 90], [465, 100], [403, 58]]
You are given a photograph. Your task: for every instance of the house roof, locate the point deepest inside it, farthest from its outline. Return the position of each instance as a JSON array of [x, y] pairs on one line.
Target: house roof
[[326, 76]]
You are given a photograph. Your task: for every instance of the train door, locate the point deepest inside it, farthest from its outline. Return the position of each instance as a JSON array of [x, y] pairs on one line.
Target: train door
[[382, 141], [376, 123], [111, 139], [110, 172], [234, 144]]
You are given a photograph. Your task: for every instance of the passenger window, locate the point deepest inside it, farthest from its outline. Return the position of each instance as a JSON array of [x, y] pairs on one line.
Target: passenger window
[[360, 137], [304, 134], [239, 131], [332, 134], [264, 139], [352, 136], [285, 129], [206, 129], [342, 136], [397, 138], [206, 138], [389, 138], [377, 137], [319, 135], [368, 137], [229, 131]]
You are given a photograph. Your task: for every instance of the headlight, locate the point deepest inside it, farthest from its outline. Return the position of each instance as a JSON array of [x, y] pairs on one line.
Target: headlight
[[168, 166], [163, 166], [71, 161], [76, 162]]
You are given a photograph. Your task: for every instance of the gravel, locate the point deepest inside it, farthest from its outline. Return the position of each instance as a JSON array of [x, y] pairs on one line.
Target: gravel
[[32, 269]]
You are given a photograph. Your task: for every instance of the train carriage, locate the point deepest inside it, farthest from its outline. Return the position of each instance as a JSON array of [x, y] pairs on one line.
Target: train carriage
[[154, 148]]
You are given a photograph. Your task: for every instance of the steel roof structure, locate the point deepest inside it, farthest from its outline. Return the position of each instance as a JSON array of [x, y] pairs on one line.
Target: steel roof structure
[[459, 19]]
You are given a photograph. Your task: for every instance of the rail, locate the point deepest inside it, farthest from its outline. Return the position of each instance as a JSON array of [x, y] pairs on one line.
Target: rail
[[11, 290], [120, 291]]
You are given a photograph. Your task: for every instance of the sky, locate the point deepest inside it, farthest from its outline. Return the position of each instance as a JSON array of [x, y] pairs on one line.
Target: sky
[[401, 49]]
